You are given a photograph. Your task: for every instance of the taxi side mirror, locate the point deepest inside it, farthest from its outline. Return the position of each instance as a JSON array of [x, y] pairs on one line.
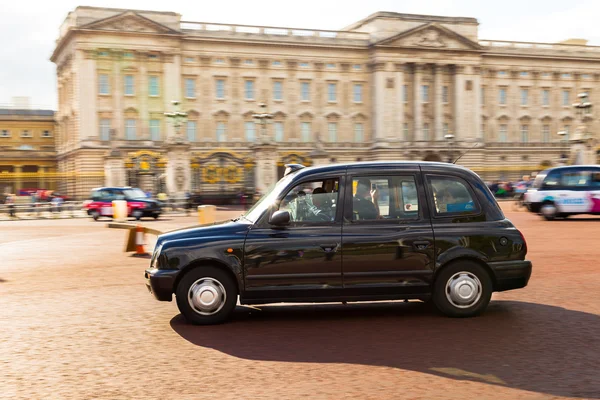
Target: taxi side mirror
[[280, 218]]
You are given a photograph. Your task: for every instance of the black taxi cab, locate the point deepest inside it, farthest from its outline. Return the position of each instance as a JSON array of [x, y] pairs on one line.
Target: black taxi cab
[[365, 231]]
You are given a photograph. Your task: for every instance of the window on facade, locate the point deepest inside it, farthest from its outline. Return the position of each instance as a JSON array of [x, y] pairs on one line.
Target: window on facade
[[129, 85], [221, 132], [153, 56], [278, 131], [153, 86], [565, 97], [331, 92], [154, 129], [444, 94], [250, 128], [405, 131], [219, 61], [524, 73], [398, 198], [304, 64], [451, 195], [248, 62], [130, 131], [425, 131], [359, 132], [26, 133], [190, 129], [566, 75], [586, 76], [545, 97], [445, 128], [305, 131], [190, 88], [332, 130], [249, 90], [502, 133], [482, 94], [425, 93], [356, 66], [276, 63], [105, 129], [358, 93], [501, 73], [189, 59], [330, 65], [567, 129], [4, 133], [46, 134], [305, 91], [405, 93], [546, 133], [220, 88], [524, 97], [502, 96], [277, 90], [103, 84], [128, 54], [524, 133]]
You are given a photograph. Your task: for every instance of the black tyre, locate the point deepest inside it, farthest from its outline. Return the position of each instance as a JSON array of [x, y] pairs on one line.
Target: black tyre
[[462, 289], [549, 211], [155, 216], [95, 214], [137, 214], [206, 296]]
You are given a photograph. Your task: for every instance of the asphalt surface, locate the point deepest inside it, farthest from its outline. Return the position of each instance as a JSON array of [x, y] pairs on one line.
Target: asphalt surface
[[76, 321]]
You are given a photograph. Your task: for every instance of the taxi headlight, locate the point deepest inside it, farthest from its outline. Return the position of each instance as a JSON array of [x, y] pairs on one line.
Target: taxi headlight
[[155, 255]]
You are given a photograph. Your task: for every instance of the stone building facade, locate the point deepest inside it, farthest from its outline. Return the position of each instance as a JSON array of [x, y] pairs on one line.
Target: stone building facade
[[392, 86], [27, 152]]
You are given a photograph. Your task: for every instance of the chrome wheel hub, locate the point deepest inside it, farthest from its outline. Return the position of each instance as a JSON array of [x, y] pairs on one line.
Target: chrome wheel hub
[[463, 289], [549, 210], [207, 296]]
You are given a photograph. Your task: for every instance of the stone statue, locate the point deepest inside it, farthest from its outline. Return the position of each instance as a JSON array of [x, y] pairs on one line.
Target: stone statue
[[431, 38], [318, 142]]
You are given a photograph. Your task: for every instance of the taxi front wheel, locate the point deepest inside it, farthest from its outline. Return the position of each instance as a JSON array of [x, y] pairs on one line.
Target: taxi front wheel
[[462, 289]]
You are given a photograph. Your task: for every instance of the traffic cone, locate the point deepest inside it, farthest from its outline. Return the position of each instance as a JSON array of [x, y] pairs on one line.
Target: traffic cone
[[139, 243]]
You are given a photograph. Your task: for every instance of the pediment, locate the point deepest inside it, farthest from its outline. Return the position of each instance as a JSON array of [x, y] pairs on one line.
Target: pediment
[[129, 21], [430, 36]]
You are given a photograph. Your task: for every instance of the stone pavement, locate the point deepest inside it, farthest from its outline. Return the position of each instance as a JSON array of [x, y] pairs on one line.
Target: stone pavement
[[78, 323]]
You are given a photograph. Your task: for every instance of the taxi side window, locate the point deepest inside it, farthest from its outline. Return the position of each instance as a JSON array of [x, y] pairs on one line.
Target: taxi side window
[[314, 201], [451, 195], [392, 198]]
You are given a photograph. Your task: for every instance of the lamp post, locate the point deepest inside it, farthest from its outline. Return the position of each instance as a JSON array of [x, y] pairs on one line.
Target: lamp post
[[450, 138], [178, 118], [262, 119]]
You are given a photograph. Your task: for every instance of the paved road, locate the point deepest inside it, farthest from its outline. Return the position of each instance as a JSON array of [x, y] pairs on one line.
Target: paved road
[[77, 322]]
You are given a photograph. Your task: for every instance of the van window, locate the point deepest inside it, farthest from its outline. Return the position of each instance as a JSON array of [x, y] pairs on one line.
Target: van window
[[595, 180], [552, 179], [576, 179]]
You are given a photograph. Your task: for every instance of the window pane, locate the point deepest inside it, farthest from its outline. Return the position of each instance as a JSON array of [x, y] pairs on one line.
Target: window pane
[[220, 89], [425, 93], [305, 91], [190, 88], [502, 94], [524, 96], [546, 97], [546, 133], [306, 134], [129, 85], [250, 131], [279, 131], [130, 133], [277, 91], [153, 86], [357, 93], [451, 195], [502, 134], [331, 92], [444, 94], [524, 133], [565, 97], [405, 93], [358, 133], [312, 202], [105, 129], [332, 129], [249, 92], [221, 132], [384, 198], [154, 129], [191, 130], [103, 86]]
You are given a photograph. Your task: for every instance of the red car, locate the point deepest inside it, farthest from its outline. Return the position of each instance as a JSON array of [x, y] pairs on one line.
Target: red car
[[138, 204]]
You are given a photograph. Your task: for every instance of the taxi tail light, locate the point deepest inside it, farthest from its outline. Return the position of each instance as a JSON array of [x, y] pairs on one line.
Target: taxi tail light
[[524, 242]]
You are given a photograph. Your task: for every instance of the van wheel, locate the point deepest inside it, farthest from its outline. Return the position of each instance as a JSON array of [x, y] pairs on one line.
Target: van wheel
[[206, 296], [462, 289], [549, 211]]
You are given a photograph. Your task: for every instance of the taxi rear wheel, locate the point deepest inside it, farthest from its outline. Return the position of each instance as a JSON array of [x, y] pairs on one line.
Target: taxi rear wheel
[[95, 215], [206, 296], [462, 289]]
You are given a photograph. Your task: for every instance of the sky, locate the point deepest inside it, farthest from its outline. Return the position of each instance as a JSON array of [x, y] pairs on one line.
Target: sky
[[29, 28]]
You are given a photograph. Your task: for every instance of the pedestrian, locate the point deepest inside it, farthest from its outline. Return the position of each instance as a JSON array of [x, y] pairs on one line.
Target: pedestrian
[[10, 200], [57, 202]]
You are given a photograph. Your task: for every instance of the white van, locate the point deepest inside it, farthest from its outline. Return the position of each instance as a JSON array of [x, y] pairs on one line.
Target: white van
[[563, 191]]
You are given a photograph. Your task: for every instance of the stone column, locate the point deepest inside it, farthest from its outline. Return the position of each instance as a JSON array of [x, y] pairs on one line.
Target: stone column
[[266, 166], [417, 103], [379, 103], [18, 183], [477, 114], [437, 103], [458, 101], [399, 131]]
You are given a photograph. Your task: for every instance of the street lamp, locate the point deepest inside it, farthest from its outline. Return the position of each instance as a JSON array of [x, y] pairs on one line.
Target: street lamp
[[450, 138], [263, 118], [178, 118]]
